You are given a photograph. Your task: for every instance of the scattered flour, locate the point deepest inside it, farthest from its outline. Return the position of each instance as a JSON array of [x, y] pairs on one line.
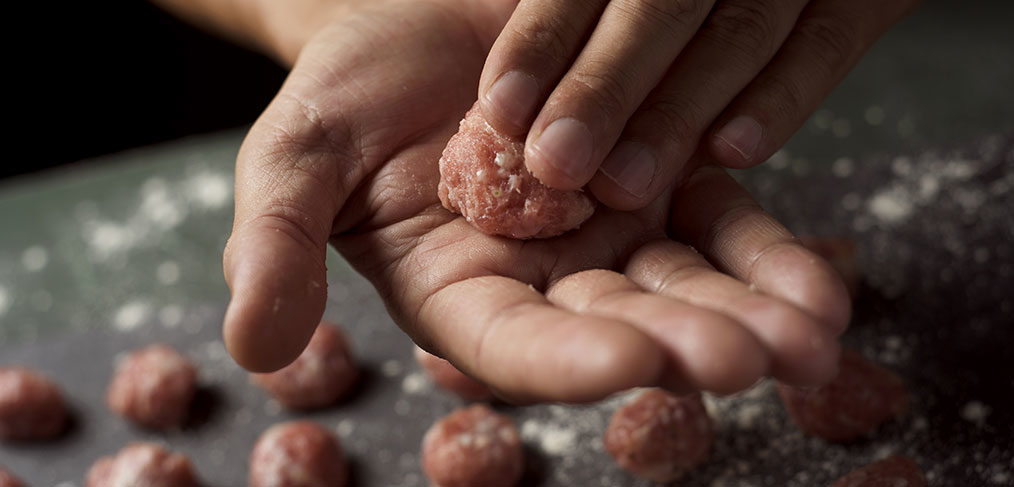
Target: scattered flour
[[975, 412], [345, 428], [208, 190], [552, 439], [415, 383], [170, 315], [131, 315], [34, 258], [168, 272], [391, 368]]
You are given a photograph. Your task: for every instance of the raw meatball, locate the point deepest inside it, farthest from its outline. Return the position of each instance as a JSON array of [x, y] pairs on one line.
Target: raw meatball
[[31, 406], [297, 454], [153, 387], [447, 376], [841, 254], [863, 396], [142, 464], [659, 436], [8, 479], [471, 447], [322, 374], [889, 472], [483, 177]]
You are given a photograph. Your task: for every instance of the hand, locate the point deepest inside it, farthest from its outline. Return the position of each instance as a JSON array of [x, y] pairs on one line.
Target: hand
[[347, 153], [619, 94]]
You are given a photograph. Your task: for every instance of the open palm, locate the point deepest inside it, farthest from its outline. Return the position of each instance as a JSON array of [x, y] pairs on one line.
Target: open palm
[[347, 153]]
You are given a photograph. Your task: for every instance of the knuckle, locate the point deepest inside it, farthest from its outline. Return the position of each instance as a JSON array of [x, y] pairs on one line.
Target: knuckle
[[678, 118], [832, 42], [782, 96], [671, 15], [746, 28], [547, 38], [604, 87]]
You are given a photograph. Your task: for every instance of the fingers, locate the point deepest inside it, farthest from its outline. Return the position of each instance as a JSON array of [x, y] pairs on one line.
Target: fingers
[[288, 191], [628, 53], [829, 39], [718, 217], [508, 335], [802, 351], [738, 39], [705, 350]]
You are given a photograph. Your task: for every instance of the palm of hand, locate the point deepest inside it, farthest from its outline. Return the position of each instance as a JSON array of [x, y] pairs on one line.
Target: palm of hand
[[348, 153]]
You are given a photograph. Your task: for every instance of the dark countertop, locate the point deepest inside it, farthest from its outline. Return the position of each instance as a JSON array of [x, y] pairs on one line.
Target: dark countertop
[[912, 157]]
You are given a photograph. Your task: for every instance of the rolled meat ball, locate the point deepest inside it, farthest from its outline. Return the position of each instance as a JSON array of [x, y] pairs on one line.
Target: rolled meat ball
[[894, 471], [483, 178], [659, 436], [323, 374], [855, 403], [297, 454], [142, 464], [450, 378], [153, 387], [31, 406], [472, 447], [8, 479]]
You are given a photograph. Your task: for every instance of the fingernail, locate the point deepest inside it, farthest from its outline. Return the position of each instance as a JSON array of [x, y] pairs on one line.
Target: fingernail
[[743, 134], [566, 144], [631, 166], [514, 96]]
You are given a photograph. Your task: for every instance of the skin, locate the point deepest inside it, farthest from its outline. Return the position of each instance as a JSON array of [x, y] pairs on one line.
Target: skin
[[346, 154]]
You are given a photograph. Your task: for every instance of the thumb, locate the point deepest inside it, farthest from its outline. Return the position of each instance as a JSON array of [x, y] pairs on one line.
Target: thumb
[[289, 187]]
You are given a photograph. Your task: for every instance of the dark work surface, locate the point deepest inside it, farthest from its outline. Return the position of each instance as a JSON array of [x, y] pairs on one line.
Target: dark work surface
[[912, 157]]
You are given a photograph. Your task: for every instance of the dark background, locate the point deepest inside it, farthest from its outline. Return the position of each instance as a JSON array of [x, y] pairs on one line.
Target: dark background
[[91, 78]]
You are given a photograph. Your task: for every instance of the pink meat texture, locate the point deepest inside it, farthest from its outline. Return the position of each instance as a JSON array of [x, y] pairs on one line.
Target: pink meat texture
[[153, 387], [323, 374], [450, 378], [483, 178], [892, 471], [8, 479], [659, 436], [142, 464], [472, 447], [297, 454], [863, 396], [31, 406]]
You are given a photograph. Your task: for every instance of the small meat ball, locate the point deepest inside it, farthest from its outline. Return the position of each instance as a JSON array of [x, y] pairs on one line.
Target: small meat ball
[[153, 387], [450, 378], [892, 471], [31, 406], [8, 479], [863, 396], [297, 454], [659, 436], [142, 464], [324, 373], [841, 254], [471, 447], [483, 178]]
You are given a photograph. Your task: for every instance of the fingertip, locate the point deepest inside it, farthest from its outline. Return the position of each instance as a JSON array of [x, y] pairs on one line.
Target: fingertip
[[560, 155], [737, 143], [279, 290], [809, 282], [510, 103]]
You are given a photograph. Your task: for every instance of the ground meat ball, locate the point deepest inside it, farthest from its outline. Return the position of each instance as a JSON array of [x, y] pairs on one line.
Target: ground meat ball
[[324, 373], [447, 376], [153, 387], [890, 472], [483, 177], [142, 464], [841, 254], [471, 447], [659, 436], [31, 406], [297, 454], [8, 479], [863, 396]]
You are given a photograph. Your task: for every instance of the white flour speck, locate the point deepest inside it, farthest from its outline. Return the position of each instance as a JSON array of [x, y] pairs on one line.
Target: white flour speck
[[552, 439], [5, 300], [209, 190], [415, 383], [131, 315], [34, 258], [843, 167], [168, 272], [875, 115], [170, 315], [893, 205], [345, 428], [391, 368], [975, 412], [402, 407]]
